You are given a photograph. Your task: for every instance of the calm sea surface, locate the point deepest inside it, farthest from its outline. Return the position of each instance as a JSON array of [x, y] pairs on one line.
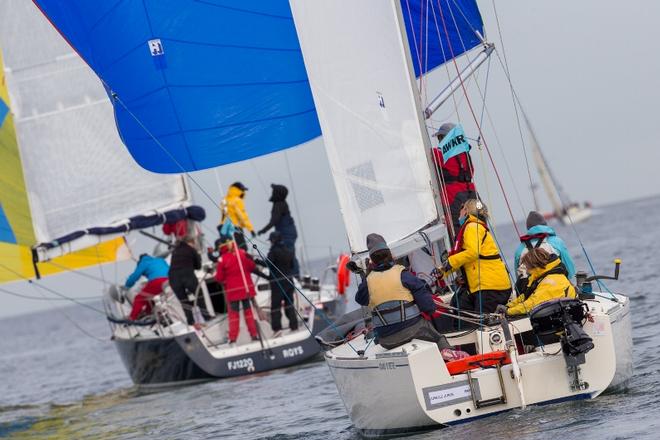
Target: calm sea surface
[[56, 382]]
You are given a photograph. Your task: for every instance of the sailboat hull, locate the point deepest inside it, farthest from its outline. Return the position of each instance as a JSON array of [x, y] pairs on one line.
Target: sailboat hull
[[575, 215], [409, 388], [158, 362]]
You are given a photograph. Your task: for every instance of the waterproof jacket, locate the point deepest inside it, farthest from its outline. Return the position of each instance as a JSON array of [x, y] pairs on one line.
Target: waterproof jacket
[[280, 264], [555, 242], [149, 267], [551, 286], [456, 169], [280, 215], [236, 276], [420, 291], [478, 256], [185, 258], [234, 208]]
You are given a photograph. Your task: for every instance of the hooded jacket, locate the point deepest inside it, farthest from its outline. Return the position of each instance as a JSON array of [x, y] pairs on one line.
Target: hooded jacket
[[555, 242], [234, 208], [551, 287], [236, 276], [149, 267], [477, 256], [280, 215]]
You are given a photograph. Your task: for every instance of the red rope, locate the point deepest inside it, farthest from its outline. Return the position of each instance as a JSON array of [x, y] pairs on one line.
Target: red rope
[[474, 116]]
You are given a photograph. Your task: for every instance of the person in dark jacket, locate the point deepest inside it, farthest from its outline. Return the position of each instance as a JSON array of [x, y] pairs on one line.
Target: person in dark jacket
[[185, 261], [396, 299], [280, 266], [456, 173], [281, 220]]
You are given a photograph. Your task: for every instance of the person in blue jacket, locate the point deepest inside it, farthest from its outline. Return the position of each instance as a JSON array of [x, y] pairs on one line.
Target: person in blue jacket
[[155, 270], [540, 235]]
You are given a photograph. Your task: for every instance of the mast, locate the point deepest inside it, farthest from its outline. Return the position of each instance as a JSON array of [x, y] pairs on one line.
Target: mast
[[549, 183]]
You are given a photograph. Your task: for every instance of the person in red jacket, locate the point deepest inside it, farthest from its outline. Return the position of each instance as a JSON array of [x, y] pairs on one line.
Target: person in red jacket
[[456, 173], [234, 273]]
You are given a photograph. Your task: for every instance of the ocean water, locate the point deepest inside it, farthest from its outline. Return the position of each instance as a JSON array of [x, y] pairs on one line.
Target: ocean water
[[58, 382]]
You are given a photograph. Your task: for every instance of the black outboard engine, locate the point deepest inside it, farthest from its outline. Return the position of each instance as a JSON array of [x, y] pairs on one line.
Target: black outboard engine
[[565, 318]]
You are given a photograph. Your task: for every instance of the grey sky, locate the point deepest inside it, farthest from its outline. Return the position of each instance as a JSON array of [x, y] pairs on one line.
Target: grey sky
[[588, 75]]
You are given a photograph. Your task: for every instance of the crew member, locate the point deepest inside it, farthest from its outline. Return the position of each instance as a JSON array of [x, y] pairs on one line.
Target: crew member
[[547, 281], [280, 267], [155, 270], [396, 299], [477, 256], [233, 207], [185, 261], [281, 220], [456, 173], [234, 273], [540, 235]]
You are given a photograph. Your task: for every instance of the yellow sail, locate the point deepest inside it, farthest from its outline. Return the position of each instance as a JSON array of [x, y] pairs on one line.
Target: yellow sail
[[16, 230]]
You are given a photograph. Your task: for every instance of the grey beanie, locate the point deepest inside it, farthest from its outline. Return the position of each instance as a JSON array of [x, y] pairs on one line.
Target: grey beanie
[[535, 218], [444, 129], [376, 242]]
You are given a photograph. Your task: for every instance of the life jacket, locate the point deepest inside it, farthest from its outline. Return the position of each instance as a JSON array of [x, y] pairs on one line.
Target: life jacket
[[389, 300], [523, 276], [455, 169], [458, 245], [559, 270], [527, 240]]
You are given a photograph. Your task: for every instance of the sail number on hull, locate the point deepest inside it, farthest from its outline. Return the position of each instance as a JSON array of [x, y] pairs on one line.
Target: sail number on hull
[[239, 364]]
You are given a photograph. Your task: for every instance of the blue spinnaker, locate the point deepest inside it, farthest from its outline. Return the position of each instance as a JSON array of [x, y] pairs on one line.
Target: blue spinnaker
[[202, 83], [439, 30]]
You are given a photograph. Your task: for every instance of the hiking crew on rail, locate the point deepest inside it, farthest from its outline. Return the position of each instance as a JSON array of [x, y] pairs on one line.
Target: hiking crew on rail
[[396, 299]]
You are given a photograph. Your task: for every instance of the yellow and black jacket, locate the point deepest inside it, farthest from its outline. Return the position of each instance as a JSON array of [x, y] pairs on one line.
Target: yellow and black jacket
[[546, 284], [479, 257]]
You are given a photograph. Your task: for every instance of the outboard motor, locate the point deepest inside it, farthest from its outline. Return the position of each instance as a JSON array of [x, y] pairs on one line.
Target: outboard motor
[[564, 317]]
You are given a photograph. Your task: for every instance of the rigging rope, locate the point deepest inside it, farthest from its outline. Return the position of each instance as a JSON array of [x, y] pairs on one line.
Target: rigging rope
[[116, 97], [474, 116]]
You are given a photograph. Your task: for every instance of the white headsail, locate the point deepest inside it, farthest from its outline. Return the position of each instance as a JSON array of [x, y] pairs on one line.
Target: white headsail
[[369, 109]]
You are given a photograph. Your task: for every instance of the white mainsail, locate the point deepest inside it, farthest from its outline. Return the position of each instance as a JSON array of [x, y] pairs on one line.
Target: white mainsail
[[551, 190], [369, 109], [78, 174]]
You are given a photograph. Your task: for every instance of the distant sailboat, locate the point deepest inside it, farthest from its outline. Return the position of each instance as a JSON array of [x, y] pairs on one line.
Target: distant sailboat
[[563, 209]]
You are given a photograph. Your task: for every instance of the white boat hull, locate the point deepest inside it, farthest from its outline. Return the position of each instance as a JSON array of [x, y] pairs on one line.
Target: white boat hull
[[409, 388], [575, 215]]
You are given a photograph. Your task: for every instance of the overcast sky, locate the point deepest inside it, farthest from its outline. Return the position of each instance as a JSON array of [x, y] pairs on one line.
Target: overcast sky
[[589, 76]]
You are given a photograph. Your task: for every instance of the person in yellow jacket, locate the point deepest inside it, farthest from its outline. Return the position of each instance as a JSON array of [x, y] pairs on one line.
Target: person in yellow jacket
[[476, 255], [547, 281], [233, 207]]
